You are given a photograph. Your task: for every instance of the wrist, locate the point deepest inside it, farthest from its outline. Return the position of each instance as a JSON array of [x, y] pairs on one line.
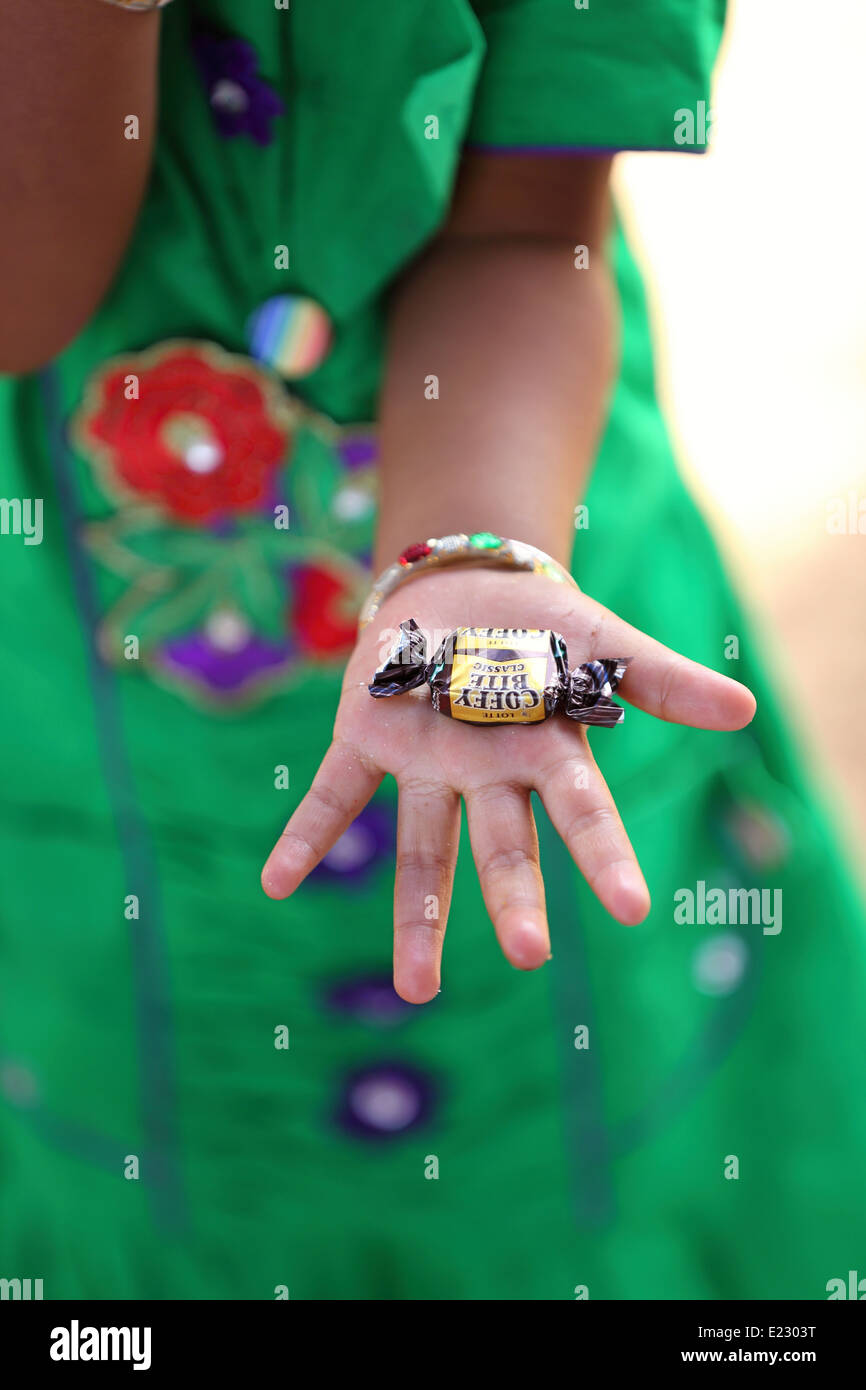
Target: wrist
[[442, 600]]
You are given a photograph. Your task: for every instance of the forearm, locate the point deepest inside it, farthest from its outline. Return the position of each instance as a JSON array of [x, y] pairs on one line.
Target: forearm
[[523, 347], [71, 72]]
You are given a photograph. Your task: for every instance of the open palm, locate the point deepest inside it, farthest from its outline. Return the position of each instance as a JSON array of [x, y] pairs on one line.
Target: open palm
[[437, 760]]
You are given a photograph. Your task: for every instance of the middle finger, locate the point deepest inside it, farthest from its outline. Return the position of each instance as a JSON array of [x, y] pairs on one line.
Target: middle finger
[[428, 831], [505, 847]]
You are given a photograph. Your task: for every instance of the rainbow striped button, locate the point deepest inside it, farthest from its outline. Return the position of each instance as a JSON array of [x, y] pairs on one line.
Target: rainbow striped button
[[290, 333]]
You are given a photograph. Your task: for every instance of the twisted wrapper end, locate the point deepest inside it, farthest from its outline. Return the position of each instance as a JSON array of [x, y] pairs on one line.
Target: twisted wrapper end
[[406, 667], [589, 689]]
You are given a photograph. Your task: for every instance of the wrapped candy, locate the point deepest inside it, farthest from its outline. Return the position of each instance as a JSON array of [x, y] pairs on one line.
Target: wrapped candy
[[502, 675]]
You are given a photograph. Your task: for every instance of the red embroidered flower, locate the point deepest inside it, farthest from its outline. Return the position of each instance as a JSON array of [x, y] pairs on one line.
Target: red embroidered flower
[[187, 425], [324, 613]]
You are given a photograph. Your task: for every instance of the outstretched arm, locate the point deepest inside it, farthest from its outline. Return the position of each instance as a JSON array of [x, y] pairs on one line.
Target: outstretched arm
[[521, 342]]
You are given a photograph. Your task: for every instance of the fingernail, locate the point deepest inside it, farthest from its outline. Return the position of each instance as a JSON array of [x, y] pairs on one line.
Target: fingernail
[[632, 895], [528, 946]]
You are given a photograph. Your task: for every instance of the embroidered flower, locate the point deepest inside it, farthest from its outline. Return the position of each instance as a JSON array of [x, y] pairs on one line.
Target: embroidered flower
[[242, 104], [186, 425], [385, 1101], [324, 611], [226, 657], [238, 570]]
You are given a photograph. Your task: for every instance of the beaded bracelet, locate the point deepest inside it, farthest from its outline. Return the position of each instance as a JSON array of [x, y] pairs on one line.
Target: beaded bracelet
[[138, 5], [482, 547]]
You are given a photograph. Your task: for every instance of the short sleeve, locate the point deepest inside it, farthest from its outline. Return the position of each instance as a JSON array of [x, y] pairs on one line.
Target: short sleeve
[[617, 74]]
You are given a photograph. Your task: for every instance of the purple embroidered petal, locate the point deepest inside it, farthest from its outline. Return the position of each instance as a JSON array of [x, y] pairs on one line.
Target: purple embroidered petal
[[223, 669], [358, 450]]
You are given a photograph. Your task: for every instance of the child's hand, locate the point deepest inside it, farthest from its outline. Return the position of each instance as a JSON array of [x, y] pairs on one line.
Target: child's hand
[[437, 760]]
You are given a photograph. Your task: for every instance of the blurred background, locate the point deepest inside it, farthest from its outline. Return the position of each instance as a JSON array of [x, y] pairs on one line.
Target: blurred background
[[754, 260]]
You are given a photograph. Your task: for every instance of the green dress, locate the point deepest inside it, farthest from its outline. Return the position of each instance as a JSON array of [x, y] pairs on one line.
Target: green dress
[[209, 1095]]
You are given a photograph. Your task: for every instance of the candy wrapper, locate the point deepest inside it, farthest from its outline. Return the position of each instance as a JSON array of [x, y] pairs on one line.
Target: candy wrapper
[[502, 675]]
